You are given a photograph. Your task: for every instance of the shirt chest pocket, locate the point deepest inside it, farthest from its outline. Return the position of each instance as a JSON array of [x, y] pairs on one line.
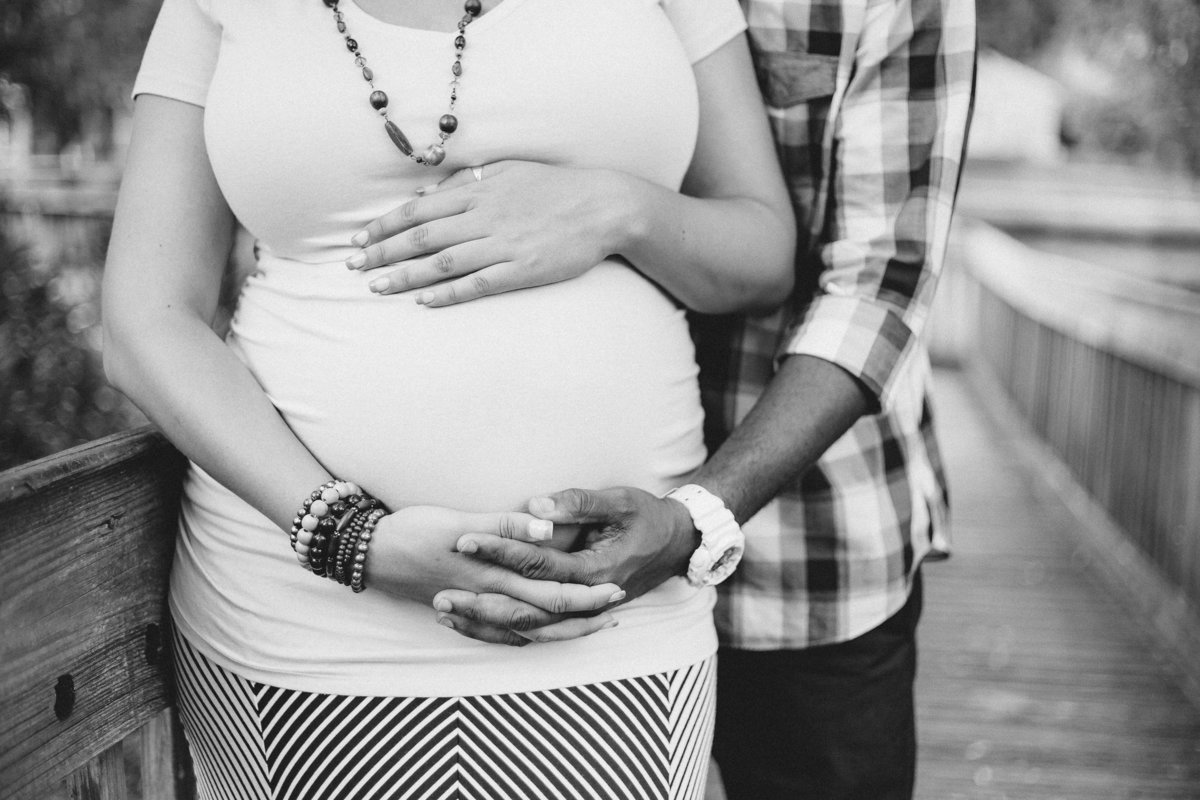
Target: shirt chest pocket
[[788, 79]]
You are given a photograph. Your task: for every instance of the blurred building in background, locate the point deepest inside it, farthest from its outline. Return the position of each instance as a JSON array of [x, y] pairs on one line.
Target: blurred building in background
[[1018, 113]]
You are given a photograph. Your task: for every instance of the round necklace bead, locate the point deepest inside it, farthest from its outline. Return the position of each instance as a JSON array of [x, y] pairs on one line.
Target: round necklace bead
[[448, 123]]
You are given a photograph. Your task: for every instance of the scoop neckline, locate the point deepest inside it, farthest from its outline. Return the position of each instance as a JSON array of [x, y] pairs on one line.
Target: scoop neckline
[[502, 9]]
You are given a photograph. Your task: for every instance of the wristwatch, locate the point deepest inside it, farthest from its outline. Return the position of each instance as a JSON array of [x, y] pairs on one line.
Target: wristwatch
[[721, 539]]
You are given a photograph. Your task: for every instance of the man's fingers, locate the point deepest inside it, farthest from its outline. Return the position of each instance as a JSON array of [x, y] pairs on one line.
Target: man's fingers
[[484, 633], [486, 616], [496, 610], [570, 628], [555, 597], [515, 525], [582, 505], [528, 560]]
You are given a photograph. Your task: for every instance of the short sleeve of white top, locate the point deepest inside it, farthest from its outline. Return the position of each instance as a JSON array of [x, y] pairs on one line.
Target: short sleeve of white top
[[589, 382], [181, 53]]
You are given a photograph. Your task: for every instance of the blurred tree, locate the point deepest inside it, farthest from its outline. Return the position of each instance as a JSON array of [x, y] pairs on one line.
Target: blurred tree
[[52, 389], [1152, 50], [77, 59], [1142, 60], [1018, 28]]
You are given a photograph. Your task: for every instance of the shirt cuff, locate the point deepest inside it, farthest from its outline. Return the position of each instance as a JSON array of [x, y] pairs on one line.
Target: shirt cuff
[[863, 337]]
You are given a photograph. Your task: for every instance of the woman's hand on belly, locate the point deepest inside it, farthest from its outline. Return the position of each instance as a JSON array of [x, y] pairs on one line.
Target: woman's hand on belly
[[520, 224], [414, 555]]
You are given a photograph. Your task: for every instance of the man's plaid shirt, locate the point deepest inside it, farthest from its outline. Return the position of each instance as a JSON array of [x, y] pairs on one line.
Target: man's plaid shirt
[[869, 101]]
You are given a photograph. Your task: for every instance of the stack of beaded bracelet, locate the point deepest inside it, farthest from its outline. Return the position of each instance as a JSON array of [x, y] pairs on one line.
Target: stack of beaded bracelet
[[364, 541], [332, 532]]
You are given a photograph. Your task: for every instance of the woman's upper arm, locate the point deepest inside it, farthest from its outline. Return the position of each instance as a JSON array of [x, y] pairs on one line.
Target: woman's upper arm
[[172, 230], [735, 154]]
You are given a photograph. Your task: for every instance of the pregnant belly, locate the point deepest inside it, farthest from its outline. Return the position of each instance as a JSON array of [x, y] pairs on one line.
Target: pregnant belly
[[590, 382]]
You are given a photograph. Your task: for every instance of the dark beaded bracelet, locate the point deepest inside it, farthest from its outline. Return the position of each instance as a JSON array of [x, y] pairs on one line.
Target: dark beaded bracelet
[[347, 547], [344, 568], [327, 528], [359, 563], [318, 554]]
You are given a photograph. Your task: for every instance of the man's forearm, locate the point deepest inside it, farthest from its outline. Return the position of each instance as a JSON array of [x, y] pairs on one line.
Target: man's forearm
[[808, 405]]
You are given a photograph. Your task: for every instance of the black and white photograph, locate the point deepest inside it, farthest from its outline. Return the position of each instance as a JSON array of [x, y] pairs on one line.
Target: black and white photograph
[[624, 400]]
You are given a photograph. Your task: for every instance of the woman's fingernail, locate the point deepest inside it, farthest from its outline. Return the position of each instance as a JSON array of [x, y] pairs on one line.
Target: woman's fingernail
[[449, 623], [617, 596], [379, 285], [356, 261], [612, 623], [469, 547], [419, 191], [541, 529], [424, 298], [361, 238], [442, 604]]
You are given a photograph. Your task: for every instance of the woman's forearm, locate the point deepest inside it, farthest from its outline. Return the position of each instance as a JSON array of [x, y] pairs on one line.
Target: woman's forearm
[[192, 386], [171, 236], [716, 255]]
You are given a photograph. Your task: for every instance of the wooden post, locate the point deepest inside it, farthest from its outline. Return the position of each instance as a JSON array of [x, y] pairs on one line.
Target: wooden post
[[88, 538]]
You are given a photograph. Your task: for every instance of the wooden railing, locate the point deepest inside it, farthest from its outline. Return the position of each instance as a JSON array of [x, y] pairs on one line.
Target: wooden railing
[[1105, 367], [87, 538]]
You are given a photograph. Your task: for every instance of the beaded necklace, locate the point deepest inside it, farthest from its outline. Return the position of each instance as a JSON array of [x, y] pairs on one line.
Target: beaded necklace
[[448, 124]]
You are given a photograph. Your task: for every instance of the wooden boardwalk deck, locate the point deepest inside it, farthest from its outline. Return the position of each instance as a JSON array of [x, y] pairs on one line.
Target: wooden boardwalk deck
[[1034, 683]]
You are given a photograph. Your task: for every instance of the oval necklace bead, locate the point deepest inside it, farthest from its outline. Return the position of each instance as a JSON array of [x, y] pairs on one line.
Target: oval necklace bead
[[448, 123]]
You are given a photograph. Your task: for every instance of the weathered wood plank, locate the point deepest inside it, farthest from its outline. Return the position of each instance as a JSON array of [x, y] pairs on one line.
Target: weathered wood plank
[[158, 748], [1036, 680], [88, 539], [101, 778]]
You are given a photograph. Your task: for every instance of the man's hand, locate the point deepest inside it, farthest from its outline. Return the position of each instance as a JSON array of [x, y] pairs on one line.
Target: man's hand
[[413, 555], [632, 539]]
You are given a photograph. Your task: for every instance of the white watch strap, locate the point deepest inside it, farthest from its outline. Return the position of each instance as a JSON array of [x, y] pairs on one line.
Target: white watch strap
[[721, 539]]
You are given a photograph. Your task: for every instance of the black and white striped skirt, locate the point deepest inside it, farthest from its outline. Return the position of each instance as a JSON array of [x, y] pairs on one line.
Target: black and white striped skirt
[[641, 738]]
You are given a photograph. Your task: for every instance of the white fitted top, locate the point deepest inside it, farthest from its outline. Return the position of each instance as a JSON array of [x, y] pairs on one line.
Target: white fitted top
[[590, 382]]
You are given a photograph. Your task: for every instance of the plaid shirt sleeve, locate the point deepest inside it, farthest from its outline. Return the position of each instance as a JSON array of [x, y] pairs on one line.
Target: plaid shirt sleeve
[[894, 149]]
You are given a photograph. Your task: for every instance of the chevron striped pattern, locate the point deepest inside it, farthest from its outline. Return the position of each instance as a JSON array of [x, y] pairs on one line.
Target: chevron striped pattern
[[645, 738]]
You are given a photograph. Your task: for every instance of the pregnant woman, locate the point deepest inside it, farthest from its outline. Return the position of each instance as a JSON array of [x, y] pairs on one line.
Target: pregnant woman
[[345, 433]]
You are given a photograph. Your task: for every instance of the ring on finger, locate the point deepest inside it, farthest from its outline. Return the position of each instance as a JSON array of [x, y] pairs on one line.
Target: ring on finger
[[477, 172]]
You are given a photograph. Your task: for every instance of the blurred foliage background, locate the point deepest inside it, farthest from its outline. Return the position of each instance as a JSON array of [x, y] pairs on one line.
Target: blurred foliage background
[[1130, 73], [74, 61], [1130, 70], [52, 389]]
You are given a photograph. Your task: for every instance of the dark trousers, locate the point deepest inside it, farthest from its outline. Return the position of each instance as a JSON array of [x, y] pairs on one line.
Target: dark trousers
[[833, 722]]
